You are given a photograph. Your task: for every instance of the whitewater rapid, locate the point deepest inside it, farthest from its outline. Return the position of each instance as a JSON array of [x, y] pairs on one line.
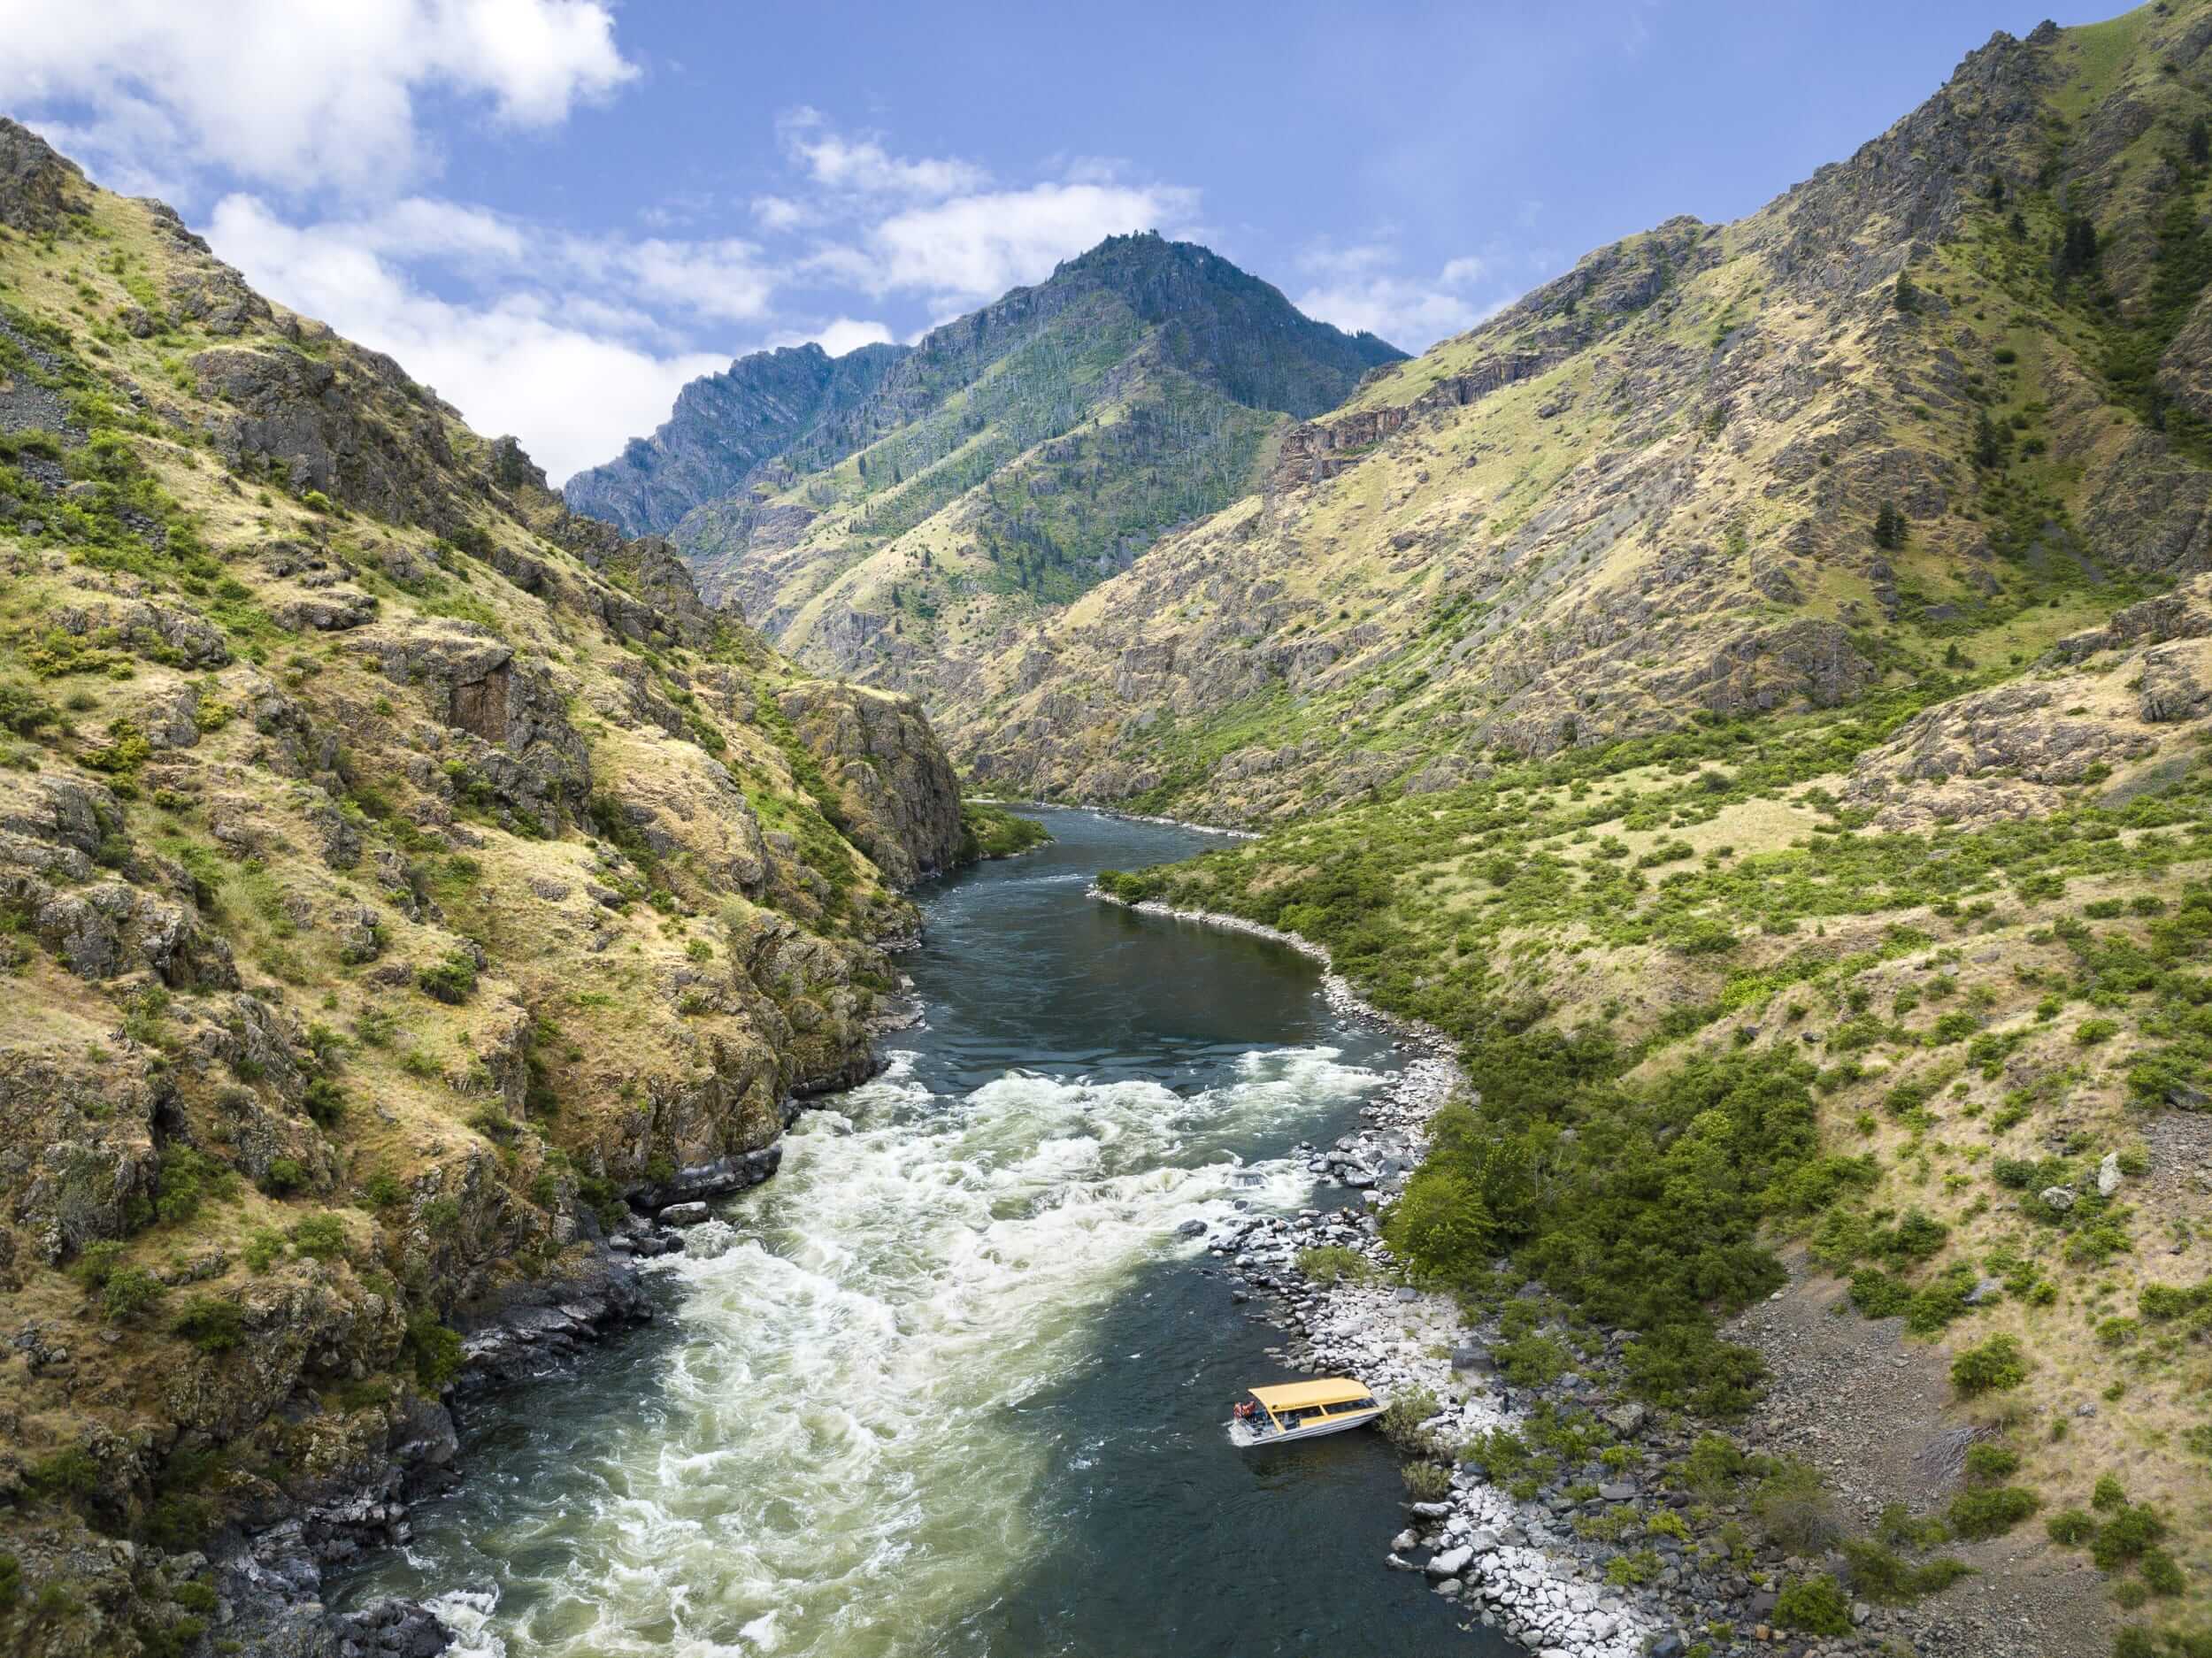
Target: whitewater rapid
[[830, 1457]]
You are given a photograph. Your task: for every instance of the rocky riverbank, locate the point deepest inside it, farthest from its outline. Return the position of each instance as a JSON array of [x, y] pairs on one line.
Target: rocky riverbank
[[1607, 1561], [1507, 1562], [271, 1581]]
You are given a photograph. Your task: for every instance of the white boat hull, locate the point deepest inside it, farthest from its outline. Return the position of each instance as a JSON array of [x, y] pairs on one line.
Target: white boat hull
[[1246, 1436]]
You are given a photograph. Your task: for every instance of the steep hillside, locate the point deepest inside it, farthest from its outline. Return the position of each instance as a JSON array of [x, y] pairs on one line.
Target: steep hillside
[[1014, 458], [1765, 681], [725, 430], [1655, 488], [400, 876]]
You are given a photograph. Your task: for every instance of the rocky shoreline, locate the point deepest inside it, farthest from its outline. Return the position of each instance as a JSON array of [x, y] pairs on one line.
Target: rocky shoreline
[[270, 1580], [1523, 1568], [1501, 1559], [1123, 817]]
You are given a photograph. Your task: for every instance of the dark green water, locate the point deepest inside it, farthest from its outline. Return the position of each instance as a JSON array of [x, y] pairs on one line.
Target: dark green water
[[951, 1384]]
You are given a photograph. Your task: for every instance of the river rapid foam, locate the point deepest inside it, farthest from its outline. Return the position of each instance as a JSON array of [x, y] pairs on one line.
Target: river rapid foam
[[832, 1456]]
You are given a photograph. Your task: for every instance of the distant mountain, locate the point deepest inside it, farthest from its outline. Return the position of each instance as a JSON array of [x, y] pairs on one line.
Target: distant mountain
[[724, 427], [891, 517], [1938, 407]]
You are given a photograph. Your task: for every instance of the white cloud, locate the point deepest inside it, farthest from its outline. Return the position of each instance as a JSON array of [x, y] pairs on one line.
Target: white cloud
[[299, 94], [516, 363], [780, 213], [1360, 286], [977, 246], [863, 166], [849, 334]]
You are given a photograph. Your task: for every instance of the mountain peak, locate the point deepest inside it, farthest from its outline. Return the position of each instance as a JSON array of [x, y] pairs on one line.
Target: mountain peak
[[1176, 303]]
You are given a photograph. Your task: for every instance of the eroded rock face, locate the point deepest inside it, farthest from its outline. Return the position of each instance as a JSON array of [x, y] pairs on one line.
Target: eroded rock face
[[878, 751], [2009, 751], [513, 734], [37, 187], [159, 630], [77, 1156], [348, 423]]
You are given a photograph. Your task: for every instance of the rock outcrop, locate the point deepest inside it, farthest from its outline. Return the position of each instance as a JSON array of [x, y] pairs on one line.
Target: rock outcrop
[[876, 748], [390, 921]]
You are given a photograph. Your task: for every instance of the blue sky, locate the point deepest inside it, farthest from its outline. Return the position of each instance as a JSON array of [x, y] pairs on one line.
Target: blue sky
[[558, 211]]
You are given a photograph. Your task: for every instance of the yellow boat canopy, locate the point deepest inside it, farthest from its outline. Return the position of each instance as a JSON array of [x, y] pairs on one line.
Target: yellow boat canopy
[[1335, 1390]]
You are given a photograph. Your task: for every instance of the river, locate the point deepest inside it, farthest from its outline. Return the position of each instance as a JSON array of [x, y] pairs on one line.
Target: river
[[950, 1384]]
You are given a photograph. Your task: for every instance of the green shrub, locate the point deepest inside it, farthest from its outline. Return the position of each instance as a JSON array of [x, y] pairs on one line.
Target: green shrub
[[1813, 1605], [23, 711], [1900, 1528], [1332, 1263], [1402, 1421], [1990, 1461], [211, 1323], [1795, 1508], [2108, 1495], [2126, 1536], [2163, 1573], [1534, 1361], [324, 1101], [67, 1473], [1991, 1510], [2071, 1526], [1879, 1574], [1439, 1223], [1992, 1366], [434, 1349], [189, 1179], [97, 1260], [992, 832], [1426, 1482], [322, 1237], [450, 980], [285, 1176], [129, 1293], [1637, 1567]]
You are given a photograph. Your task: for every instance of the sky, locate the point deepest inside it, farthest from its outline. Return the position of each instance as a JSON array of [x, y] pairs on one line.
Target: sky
[[558, 211]]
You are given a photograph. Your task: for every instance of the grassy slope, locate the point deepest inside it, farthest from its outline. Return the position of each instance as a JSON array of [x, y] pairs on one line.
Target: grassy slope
[[1735, 983], [314, 1169], [1578, 554]]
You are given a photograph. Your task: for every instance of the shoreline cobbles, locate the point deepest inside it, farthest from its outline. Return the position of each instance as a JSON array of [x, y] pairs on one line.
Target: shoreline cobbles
[[1502, 1561], [1520, 1567]]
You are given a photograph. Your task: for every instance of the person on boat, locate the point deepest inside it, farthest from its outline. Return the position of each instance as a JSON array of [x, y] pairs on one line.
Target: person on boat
[[1246, 1412]]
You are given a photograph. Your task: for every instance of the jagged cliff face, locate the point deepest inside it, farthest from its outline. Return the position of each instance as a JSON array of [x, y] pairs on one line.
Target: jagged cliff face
[[1648, 491], [726, 430], [397, 870], [1012, 459]]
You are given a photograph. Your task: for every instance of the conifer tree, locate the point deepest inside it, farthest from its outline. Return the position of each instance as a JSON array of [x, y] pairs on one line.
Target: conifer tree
[[1889, 527]]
